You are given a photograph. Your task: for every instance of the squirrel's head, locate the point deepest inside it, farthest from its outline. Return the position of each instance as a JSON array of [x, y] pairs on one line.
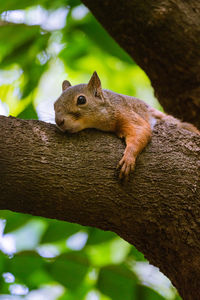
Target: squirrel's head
[[77, 106]]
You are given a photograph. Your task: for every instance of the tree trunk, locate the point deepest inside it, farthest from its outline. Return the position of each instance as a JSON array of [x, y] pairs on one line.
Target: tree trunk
[[163, 37], [73, 177]]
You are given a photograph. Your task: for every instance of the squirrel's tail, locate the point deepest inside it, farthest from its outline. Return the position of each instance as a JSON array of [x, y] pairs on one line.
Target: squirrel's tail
[[162, 116]]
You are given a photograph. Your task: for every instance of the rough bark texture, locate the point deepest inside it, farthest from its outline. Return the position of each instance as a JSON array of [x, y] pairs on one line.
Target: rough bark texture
[[73, 178], [163, 37]]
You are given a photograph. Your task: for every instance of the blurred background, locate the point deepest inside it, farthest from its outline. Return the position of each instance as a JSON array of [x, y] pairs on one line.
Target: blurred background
[[43, 42]]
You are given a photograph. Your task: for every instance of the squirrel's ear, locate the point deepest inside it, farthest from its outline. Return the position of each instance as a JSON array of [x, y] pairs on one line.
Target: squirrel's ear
[[65, 85], [94, 85]]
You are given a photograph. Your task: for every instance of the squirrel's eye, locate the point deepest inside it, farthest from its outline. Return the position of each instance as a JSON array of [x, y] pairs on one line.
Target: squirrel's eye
[[81, 100]]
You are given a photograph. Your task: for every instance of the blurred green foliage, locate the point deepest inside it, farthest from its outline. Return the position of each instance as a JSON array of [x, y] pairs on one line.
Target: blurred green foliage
[[43, 253], [43, 42]]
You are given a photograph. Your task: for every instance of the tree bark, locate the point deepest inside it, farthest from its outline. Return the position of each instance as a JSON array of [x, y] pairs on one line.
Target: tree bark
[[163, 37], [73, 177]]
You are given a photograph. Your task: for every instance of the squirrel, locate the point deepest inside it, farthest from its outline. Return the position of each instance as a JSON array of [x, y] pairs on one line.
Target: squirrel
[[89, 106]]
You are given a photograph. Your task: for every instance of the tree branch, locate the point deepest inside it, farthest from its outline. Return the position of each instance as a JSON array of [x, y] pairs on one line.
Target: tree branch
[[73, 177], [163, 37]]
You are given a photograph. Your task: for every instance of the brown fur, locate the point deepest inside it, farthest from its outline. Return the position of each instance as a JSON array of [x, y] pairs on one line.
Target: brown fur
[[128, 117], [137, 134]]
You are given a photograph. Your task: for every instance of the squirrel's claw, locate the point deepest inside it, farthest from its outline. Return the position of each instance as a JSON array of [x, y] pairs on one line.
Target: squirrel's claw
[[127, 164]]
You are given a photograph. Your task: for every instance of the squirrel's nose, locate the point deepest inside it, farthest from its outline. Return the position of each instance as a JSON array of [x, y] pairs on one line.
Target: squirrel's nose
[[60, 121]]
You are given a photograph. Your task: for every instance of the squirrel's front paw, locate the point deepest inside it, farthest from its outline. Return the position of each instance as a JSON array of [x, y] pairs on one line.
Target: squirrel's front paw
[[127, 164]]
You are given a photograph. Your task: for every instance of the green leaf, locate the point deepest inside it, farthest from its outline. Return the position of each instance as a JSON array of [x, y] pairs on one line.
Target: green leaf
[[16, 4], [78, 46], [59, 230], [3, 262], [4, 288], [146, 293], [13, 220], [24, 4], [70, 269], [24, 45], [178, 297], [33, 74], [79, 293], [90, 27], [97, 236], [28, 113], [117, 282], [24, 265], [74, 3], [136, 255], [24, 49], [39, 277]]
